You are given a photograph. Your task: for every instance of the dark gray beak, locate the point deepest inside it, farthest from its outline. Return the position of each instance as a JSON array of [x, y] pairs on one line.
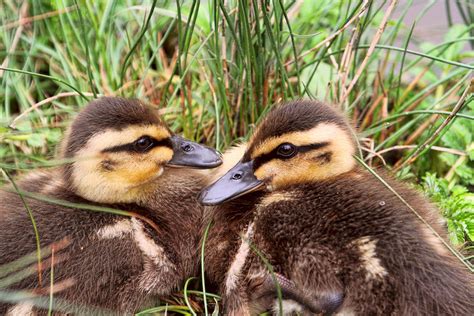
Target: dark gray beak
[[194, 155], [236, 182]]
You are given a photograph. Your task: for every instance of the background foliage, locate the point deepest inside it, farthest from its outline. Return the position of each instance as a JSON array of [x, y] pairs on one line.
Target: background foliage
[[212, 68]]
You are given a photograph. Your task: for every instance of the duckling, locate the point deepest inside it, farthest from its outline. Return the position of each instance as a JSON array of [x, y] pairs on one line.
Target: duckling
[[120, 155], [338, 240]]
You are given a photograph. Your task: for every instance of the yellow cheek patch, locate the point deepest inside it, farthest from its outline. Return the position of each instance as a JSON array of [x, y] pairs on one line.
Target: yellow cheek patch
[[323, 132], [134, 169], [135, 174], [116, 177], [279, 173], [160, 154], [268, 170]]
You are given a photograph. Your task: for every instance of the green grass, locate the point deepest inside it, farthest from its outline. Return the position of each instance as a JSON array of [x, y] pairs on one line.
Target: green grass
[[215, 68]]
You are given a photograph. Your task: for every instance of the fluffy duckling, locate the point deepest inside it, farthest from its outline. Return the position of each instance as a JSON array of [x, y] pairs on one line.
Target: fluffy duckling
[[338, 239], [122, 156]]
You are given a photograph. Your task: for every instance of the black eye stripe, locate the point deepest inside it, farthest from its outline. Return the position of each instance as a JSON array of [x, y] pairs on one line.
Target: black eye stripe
[[130, 147], [273, 154], [303, 149]]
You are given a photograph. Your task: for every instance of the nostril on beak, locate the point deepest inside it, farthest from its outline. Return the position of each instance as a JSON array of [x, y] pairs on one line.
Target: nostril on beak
[[187, 147], [237, 176]]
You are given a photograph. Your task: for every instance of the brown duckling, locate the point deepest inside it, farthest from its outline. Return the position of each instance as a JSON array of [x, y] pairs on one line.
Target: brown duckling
[[120, 155], [339, 241]]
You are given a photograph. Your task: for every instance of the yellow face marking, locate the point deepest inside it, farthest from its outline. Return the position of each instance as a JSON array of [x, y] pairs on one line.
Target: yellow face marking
[[138, 169], [306, 167], [114, 177]]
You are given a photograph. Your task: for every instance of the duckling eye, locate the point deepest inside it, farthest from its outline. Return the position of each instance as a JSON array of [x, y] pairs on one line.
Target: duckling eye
[[286, 150], [143, 143]]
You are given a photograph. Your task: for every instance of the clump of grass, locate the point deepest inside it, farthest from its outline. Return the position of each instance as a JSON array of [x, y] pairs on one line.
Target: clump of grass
[[214, 68]]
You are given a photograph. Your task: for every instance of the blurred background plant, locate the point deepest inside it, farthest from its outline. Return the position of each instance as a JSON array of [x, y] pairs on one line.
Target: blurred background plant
[[213, 68]]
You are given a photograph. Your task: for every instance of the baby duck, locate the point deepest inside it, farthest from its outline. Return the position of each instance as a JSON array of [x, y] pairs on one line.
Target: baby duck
[[120, 155], [338, 239]]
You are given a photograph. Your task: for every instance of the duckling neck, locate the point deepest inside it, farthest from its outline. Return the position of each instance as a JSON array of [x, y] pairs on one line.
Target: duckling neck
[[174, 192], [172, 205]]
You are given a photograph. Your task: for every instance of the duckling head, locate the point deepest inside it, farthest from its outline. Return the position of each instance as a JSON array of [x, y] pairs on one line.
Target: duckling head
[[118, 147], [298, 142]]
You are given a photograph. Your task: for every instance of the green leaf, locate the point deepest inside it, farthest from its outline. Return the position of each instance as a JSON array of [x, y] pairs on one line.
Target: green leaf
[[54, 135], [36, 140], [317, 84], [457, 205]]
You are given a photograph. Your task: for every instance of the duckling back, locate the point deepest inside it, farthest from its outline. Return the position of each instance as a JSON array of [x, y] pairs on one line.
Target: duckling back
[[363, 241]]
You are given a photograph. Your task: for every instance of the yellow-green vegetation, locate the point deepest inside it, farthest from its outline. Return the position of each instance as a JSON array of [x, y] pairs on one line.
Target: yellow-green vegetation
[[213, 68]]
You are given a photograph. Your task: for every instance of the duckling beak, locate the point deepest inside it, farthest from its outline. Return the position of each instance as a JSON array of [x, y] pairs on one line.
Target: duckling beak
[[236, 182], [190, 154]]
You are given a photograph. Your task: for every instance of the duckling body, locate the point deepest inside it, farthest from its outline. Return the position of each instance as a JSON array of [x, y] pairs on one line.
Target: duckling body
[[338, 239], [362, 240], [108, 262]]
